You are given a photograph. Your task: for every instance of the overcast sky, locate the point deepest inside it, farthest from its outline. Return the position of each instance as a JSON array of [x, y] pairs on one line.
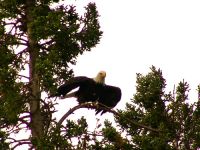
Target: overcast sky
[[139, 34]]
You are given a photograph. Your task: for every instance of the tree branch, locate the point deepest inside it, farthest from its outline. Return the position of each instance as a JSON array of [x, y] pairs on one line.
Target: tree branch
[[22, 51], [23, 76], [20, 143], [20, 39], [47, 43], [23, 121], [96, 106]]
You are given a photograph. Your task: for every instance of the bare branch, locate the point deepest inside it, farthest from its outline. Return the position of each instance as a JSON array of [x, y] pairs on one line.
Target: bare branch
[[23, 121], [20, 39], [20, 43], [23, 76], [9, 23], [13, 140], [22, 51], [47, 43], [103, 107], [21, 143], [84, 105]]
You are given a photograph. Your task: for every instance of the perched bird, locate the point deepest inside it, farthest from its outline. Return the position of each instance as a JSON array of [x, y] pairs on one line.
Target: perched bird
[[91, 90], [87, 87]]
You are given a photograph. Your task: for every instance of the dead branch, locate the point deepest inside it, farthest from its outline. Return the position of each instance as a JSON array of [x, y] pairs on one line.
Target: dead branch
[[103, 107]]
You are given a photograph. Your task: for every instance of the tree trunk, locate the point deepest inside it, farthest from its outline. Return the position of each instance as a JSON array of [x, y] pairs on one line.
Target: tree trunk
[[35, 94]]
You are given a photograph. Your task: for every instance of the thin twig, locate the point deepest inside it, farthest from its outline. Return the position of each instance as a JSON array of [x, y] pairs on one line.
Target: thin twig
[[21, 143], [23, 76]]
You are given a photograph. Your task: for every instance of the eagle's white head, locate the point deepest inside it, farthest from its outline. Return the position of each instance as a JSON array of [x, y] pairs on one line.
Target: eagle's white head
[[100, 78]]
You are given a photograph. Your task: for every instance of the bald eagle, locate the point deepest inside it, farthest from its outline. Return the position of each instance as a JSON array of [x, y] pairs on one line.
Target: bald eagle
[[91, 90]]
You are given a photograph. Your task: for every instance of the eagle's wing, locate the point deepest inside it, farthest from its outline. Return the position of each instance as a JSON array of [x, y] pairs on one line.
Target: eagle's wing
[[109, 96], [72, 84]]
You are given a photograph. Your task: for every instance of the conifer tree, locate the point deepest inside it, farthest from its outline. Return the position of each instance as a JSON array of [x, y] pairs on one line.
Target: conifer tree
[[37, 44], [155, 119]]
